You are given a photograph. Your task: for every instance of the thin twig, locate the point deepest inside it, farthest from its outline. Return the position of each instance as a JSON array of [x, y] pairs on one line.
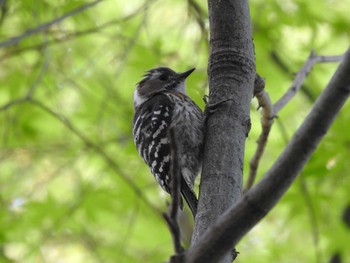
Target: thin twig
[[122, 58], [312, 217], [3, 11], [98, 150], [269, 111], [15, 40], [200, 16], [171, 216], [13, 103], [267, 116], [300, 77], [70, 35], [42, 72], [33, 87]]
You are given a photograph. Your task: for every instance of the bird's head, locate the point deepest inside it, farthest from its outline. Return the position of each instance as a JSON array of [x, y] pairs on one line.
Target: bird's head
[[159, 80]]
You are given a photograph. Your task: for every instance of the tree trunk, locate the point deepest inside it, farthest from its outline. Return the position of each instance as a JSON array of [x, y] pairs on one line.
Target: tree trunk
[[231, 75]]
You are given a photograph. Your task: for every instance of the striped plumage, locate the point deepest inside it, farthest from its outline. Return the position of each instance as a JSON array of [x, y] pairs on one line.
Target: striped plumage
[[161, 104]]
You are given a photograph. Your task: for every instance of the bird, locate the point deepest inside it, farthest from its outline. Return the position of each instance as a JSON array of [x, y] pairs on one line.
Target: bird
[[161, 106]]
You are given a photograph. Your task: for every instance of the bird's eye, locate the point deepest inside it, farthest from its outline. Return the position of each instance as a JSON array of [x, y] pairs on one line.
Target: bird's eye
[[163, 77]]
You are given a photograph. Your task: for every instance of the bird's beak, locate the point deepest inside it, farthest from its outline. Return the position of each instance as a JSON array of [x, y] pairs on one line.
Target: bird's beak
[[185, 74]]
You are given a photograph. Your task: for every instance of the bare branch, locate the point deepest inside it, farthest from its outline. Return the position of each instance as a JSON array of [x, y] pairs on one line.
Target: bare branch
[[32, 88], [15, 40], [312, 217], [3, 11], [13, 103], [269, 111], [300, 77], [98, 150], [69, 35], [267, 116], [200, 16], [259, 200]]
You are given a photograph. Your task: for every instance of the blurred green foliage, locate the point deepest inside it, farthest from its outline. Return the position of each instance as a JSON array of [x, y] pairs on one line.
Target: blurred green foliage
[[72, 187]]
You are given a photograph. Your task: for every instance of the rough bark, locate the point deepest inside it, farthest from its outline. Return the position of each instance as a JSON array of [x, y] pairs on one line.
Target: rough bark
[[231, 75], [258, 201]]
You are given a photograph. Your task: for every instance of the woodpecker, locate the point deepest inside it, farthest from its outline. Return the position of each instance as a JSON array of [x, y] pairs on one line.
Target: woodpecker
[[161, 104]]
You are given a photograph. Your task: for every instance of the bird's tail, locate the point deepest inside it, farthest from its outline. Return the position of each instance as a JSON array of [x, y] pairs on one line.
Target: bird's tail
[[190, 196]]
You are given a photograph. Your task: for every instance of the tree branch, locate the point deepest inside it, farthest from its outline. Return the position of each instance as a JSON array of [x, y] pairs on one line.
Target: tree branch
[[70, 35], [267, 116], [33, 87], [258, 201], [312, 217], [15, 40], [98, 150], [300, 77], [270, 111]]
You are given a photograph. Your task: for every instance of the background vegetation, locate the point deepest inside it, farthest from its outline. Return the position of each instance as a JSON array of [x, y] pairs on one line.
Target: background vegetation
[[72, 187]]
